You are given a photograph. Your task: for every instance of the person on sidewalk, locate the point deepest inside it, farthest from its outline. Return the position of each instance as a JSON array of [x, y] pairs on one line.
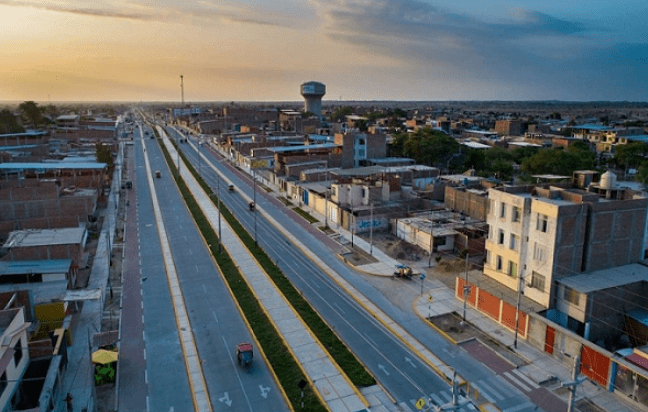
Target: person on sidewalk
[[68, 402]]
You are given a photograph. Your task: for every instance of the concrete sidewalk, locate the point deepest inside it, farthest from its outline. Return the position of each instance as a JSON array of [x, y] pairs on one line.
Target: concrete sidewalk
[[540, 366]]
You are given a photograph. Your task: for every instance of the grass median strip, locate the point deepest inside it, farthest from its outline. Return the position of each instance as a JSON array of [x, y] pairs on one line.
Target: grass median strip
[[356, 372], [284, 366]]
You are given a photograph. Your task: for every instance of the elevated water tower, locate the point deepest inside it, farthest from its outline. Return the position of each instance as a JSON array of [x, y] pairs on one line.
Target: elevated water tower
[[313, 93]]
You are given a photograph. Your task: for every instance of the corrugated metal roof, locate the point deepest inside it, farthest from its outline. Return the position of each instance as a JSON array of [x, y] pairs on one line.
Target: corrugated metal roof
[[63, 236], [52, 166], [23, 267]]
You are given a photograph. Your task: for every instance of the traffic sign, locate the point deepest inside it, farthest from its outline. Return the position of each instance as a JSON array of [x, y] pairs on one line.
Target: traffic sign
[[420, 404], [422, 276]]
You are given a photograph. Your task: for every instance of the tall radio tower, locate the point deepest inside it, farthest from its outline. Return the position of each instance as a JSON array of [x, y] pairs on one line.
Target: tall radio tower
[[182, 89]]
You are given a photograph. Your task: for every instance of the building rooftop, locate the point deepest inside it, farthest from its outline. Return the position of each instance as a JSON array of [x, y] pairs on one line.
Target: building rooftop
[[607, 278], [283, 149], [475, 145], [36, 237], [22, 267], [52, 166]]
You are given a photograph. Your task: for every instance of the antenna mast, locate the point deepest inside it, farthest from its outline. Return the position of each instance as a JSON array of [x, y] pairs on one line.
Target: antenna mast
[[182, 89]]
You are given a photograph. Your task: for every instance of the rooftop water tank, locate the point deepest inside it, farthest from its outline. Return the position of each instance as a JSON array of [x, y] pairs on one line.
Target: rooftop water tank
[[608, 180]]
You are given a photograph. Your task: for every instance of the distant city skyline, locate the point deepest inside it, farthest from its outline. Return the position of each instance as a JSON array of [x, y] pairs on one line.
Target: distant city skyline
[[248, 50]]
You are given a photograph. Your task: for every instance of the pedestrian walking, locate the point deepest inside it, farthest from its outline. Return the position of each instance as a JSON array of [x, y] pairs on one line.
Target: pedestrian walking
[[68, 402]]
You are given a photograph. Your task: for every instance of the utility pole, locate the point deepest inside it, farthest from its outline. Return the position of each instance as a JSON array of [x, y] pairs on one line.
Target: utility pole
[[371, 229], [182, 90], [517, 309], [255, 205], [220, 239], [431, 243], [573, 384], [351, 223], [326, 200], [465, 291]]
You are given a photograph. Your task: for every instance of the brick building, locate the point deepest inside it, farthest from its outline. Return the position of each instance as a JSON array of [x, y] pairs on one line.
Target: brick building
[[540, 234]]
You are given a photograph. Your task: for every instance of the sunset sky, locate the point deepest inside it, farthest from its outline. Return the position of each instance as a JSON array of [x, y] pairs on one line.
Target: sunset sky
[[249, 50]]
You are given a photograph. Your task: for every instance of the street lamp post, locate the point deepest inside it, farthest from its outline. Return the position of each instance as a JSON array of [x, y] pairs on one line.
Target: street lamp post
[[465, 295], [220, 239], [255, 205], [371, 229]]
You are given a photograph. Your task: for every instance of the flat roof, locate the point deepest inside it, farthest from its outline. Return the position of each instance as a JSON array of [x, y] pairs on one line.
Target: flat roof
[[68, 117], [52, 166], [41, 237], [485, 132], [22, 267], [304, 147], [22, 146], [387, 160], [551, 177], [26, 134], [475, 145], [592, 127], [524, 144], [607, 278]]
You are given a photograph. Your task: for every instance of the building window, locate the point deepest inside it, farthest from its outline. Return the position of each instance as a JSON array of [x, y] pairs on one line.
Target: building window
[[498, 266], [571, 296], [542, 223], [516, 214], [500, 237], [503, 210], [537, 281], [512, 269], [488, 257], [538, 252], [17, 353], [514, 241]]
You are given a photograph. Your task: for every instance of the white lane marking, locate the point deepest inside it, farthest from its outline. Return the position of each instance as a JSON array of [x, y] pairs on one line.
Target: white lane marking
[[519, 407], [145, 376], [526, 379], [483, 393], [204, 288], [436, 399], [516, 381], [491, 390], [339, 308], [264, 391], [143, 336]]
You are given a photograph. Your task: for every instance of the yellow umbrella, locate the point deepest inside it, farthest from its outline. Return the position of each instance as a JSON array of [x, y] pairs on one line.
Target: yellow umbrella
[[104, 357]]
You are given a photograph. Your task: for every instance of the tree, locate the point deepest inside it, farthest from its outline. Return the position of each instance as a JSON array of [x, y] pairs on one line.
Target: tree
[[9, 123], [339, 115], [631, 155], [104, 155], [31, 112]]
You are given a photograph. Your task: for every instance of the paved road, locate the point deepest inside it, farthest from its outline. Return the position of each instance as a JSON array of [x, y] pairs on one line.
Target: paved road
[[507, 381], [132, 386], [391, 370], [216, 322], [404, 375]]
